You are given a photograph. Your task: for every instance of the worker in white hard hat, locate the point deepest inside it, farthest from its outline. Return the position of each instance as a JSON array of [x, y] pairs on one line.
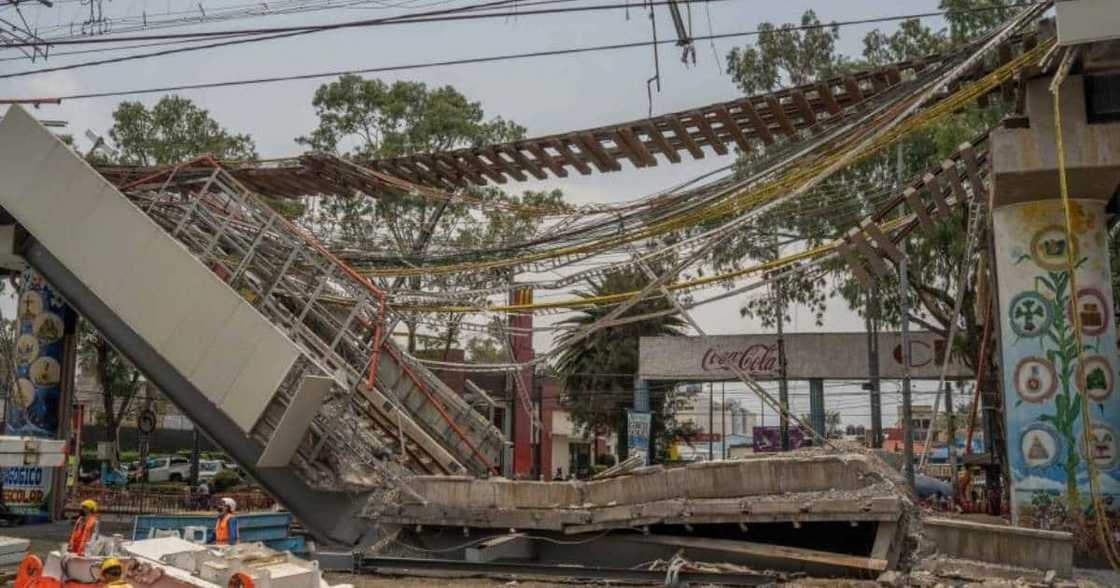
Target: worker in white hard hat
[[225, 529]]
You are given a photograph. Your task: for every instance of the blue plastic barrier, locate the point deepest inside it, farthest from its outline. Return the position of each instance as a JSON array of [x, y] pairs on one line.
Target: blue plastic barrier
[[270, 528]]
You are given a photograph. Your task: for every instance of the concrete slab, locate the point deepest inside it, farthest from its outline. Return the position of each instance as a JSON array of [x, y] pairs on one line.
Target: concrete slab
[[999, 544]]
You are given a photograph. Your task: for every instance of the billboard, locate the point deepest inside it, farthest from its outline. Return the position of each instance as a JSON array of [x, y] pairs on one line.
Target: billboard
[[1046, 377], [34, 410], [840, 356], [769, 439]]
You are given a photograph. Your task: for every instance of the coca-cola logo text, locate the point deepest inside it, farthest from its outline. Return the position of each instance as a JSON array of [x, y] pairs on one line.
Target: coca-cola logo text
[[756, 359]]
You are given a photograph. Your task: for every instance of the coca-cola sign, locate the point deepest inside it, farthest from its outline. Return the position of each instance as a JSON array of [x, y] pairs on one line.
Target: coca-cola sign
[[807, 355], [757, 360]]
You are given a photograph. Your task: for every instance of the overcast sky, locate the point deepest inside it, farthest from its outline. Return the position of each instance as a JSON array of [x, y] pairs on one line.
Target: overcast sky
[[546, 95]]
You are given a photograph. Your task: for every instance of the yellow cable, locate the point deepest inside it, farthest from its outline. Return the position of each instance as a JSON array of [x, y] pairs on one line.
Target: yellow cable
[[1103, 533], [749, 198]]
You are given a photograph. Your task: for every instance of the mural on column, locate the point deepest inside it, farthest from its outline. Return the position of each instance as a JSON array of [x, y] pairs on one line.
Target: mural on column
[[1042, 394], [44, 319]]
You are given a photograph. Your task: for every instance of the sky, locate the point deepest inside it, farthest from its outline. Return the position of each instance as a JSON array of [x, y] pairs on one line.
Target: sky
[[545, 95]]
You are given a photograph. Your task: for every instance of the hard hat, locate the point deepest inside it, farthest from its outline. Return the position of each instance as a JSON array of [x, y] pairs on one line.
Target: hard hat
[[229, 503], [109, 564], [89, 505]]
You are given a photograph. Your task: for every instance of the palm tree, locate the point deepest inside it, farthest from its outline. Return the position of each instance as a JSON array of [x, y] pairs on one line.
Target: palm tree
[[598, 372]]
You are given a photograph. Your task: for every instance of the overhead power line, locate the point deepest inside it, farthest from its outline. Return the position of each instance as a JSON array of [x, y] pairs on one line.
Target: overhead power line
[[470, 12], [478, 60], [238, 38]]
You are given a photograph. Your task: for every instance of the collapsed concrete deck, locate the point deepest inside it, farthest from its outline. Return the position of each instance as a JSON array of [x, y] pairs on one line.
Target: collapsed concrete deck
[[841, 487], [731, 508]]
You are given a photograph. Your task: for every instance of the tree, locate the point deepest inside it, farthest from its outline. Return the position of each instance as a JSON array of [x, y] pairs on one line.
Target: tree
[[173, 131], [364, 119], [783, 56], [598, 372], [934, 253]]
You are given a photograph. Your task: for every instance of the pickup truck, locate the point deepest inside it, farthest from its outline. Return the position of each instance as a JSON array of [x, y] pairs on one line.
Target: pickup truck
[[168, 469]]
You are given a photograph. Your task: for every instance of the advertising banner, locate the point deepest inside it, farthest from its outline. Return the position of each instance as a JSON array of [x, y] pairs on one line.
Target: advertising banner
[[769, 439], [840, 356], [637, 426], [34, 410]]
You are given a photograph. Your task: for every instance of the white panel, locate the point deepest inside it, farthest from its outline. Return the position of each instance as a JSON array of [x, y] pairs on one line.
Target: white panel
[[272, 358], [293, 425], [26, 145], [67, 229], [227, 353], [113, 238], [210, 310], [158, 290]]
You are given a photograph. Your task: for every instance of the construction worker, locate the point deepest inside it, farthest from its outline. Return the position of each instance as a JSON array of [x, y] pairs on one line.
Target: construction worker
[[84, 528], [225, 529], [112, 573]]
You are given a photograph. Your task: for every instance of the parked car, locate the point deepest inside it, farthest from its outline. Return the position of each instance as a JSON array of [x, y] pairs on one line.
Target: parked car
[[208, 468], [169, 469]]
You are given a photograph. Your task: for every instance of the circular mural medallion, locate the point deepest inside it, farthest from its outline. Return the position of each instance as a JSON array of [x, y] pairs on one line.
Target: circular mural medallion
[[1092, 310], [30, 305], [1040, 445], [1035, 379], [1030, 314], [1049, 248], [48, 327], [1103, 448], [24, 393], [27, 348], [46, 371], [1095, 373]]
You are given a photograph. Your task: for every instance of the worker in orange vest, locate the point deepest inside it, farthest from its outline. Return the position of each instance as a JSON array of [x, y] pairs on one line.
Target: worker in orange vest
[[225, 529], [84, 528]]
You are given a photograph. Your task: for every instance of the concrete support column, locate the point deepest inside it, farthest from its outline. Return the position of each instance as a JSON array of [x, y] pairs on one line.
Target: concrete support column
[[1045, 375], [42, 395], [816, 405]]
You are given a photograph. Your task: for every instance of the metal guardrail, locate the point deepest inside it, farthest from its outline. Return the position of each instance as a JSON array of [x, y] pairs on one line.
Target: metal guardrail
[[143, 501]]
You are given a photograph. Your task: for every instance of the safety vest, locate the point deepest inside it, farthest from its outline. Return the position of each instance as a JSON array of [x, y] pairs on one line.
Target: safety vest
[[221, 529], [83, 531]]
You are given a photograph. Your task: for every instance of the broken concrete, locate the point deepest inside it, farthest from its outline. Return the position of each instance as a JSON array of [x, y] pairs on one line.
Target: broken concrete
[[1001, 544]]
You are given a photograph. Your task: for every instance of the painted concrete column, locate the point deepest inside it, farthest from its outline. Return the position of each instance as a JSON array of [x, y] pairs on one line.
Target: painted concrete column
[[42, 392], [1042, 374]]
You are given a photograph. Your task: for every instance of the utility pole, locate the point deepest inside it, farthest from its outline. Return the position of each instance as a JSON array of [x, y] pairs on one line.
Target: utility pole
[[783, 384], [723, 418], [951, 429], [907, 417], [871, 319], [711, 421]]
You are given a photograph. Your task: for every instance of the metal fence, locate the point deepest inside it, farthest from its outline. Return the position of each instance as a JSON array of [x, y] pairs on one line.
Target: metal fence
[[143, 501]]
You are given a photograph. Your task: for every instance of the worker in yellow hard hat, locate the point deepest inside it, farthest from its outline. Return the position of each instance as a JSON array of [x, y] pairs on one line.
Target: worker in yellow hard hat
[[84, 528], [112, 573]]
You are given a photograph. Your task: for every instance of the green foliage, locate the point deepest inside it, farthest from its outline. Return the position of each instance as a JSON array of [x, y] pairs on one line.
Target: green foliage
[[172, 131], [598, 372], [117, 378], [224, 480], [783, 56], [369, 119]]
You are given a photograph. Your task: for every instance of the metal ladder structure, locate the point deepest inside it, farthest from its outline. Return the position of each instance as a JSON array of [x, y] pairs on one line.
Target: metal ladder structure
[[269, 343]]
